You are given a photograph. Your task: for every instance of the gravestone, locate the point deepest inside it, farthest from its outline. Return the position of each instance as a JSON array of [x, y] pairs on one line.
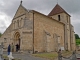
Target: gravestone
[[1, 51]]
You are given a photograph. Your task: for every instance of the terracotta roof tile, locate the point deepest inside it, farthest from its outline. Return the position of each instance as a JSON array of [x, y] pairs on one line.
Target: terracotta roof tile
[[56, 10]]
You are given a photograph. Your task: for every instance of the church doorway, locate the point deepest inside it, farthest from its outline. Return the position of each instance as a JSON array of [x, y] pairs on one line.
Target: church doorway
[[17, 40]]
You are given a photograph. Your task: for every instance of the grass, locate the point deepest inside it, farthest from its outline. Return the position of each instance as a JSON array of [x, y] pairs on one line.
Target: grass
[[47, 55], [5, 57], [52, 55], [65, 53]]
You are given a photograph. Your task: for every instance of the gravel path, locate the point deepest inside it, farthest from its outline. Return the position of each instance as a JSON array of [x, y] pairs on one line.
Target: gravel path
[[26, 56]]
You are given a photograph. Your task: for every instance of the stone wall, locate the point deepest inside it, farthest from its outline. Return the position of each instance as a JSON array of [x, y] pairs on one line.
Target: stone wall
[[65, 18], [45, 29]]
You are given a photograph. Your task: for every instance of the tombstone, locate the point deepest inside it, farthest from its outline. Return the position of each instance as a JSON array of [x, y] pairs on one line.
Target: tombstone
[[10, 56], [1, 51], [59, 55], [74, 56]]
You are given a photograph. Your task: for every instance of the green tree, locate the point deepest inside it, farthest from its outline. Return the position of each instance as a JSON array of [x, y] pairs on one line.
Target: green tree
[[0, 34], [77, 41], [76, 36]]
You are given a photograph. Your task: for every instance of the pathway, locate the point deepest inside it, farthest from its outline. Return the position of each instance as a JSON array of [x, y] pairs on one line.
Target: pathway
[[26, 56]]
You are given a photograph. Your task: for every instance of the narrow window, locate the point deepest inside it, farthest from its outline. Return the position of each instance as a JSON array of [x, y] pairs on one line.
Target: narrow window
[[18, 22], [59, 17], [67, 18], [14, 24], [21, 22]]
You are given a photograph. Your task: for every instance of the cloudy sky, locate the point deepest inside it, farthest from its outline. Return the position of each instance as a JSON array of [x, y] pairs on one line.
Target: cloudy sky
[[9, 7]]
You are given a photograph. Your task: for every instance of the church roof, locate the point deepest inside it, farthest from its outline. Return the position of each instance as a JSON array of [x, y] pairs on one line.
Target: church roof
[[46, 16], [19, 11], [56, 10]]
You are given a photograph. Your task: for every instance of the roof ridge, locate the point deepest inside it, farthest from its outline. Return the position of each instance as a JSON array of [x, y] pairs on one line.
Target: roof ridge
[[56, 10]]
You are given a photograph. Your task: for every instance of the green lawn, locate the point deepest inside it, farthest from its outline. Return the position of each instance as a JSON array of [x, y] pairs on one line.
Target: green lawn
[[5, 57], [77, 41], [52, 55], [46, 55]]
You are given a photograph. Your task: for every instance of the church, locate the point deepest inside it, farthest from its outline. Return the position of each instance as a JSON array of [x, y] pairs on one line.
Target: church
[[36, 32]]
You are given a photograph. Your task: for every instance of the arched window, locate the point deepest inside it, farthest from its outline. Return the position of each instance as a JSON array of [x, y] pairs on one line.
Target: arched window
[[21, 22]]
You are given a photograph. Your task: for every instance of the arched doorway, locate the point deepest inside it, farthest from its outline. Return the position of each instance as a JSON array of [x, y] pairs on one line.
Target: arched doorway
[[17, 39]]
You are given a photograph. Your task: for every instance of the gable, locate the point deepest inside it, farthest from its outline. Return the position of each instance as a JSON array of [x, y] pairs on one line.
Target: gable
[[57, 10], [21, 11]]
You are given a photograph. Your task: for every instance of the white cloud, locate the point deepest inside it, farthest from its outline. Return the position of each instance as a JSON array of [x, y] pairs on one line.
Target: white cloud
[[5, 21], [2, 3]]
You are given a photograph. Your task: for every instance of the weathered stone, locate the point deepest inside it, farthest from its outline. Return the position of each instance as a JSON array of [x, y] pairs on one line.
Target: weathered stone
[[37, 32]]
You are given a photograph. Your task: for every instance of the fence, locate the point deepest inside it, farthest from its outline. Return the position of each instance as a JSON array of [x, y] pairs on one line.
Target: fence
[[74, 56]]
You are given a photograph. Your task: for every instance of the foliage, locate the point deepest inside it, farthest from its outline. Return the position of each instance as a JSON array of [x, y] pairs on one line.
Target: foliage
[[77, 41], [0, 34], [76, 36]]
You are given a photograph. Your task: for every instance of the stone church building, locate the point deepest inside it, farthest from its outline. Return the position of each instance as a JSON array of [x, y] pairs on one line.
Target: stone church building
[[36, 32]]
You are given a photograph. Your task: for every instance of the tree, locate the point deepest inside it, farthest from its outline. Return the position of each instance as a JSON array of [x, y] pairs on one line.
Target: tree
[[0, 34], [76, 36]]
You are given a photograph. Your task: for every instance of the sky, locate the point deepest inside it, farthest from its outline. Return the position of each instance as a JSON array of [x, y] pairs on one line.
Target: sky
[[8, 9]]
